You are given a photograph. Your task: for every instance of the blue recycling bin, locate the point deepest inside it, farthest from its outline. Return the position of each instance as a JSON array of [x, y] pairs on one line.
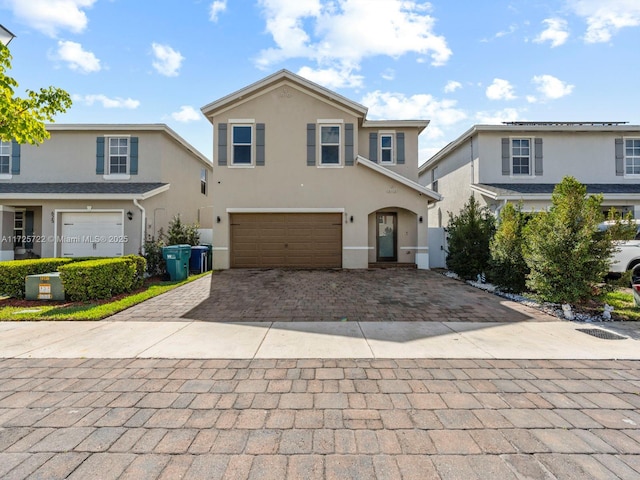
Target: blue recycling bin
[[198, 260], [177, 260]]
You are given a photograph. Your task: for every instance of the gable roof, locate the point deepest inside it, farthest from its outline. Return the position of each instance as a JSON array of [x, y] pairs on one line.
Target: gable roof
[[131, 127], [255, 88], [360, 160]]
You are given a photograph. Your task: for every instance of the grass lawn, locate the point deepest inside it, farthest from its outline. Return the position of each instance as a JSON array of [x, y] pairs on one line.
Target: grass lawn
[[623, 303], [43, 310]]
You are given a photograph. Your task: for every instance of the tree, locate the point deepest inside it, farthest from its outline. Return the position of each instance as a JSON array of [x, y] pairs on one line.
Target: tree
[[182, 234], [563, 248], [23, 119], [468, 237], [508, 267]]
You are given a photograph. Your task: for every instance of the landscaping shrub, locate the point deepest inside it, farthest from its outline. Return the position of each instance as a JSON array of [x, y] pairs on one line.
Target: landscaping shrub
[[469, 234], [156, 265], [182, 234], [141, 266], [567, 255], [508, 268], [98, 279], [13, 273]]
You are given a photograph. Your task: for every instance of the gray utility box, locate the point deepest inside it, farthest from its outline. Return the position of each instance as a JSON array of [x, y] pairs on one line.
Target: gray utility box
[[46, 286]]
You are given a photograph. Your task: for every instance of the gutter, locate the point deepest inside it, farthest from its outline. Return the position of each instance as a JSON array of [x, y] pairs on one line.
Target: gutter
[[143, 224]]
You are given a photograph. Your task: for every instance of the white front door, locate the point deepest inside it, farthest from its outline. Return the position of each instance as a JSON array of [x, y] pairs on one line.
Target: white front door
[[91, 234]]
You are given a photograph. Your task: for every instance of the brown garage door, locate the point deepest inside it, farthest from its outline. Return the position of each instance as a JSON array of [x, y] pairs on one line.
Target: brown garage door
[[299, 240]]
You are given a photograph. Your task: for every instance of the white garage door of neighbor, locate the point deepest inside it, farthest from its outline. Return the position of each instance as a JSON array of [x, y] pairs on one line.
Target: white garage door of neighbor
[[91, 234]]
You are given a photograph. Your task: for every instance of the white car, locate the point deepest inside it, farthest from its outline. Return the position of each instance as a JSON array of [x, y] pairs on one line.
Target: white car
[[627, 254]]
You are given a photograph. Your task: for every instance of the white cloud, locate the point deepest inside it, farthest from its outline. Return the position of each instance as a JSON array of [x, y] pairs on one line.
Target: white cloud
[[78, 59], [605, 19], [331, 77], [452, 86], [556, 32], [107, 102], [497, 117], [388, 105], [51, 16], [349, 31], [500, 90], [551, 87], [389, 74], [217, 7], [186, 114], [168, 60]]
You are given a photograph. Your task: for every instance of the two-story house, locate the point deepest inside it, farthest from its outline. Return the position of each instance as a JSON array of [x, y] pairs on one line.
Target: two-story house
[[98, 190], [523, 161], [301, 178]]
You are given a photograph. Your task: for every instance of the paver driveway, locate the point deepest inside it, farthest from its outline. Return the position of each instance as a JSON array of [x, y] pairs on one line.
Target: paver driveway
[[277, 295]]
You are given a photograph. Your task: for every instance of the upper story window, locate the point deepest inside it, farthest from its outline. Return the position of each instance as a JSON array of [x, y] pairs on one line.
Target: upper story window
[[521, 156], [330, 145], [386, 148], [434, 179], [242, 144], [118, 155], [5, 158], [632, 156], [203, 181]]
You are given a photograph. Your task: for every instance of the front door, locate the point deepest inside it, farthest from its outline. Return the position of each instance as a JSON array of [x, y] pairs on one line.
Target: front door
[[386, 237]]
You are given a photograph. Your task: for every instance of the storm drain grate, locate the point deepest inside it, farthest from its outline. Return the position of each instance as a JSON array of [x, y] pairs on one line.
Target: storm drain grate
[[604, 334]]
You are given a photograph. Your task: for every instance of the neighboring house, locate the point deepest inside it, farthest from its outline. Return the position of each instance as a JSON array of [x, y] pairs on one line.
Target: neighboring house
[[301, 178], [98, 190], [523, 161]]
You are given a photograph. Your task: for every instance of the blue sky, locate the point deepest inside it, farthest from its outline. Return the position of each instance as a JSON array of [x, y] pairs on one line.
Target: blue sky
[[454, 62]]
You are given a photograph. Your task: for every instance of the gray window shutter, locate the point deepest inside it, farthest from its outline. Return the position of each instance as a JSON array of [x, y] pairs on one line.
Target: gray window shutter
[[15, 158], [400, 143], [506, 157], [619, 157], [100, 156], [373, 147], [133, 156], [538, 156], [260, 144], [222, 144], [348, 144], [311, 144]]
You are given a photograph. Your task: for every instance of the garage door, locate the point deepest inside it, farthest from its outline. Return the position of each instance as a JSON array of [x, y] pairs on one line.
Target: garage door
[[298, 240], [91, 234]]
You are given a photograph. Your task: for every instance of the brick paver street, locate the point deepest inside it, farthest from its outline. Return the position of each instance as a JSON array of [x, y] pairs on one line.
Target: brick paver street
[[333, 419]]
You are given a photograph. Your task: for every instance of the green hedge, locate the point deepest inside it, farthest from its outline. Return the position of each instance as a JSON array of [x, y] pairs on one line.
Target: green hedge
[[98, 279], [13, 273], [141, 268]]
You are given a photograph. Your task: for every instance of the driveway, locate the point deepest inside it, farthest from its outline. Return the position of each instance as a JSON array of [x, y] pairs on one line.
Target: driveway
[[276, 295]]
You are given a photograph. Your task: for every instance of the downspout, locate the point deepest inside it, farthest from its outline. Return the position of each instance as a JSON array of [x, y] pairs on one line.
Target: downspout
[[143, 224]]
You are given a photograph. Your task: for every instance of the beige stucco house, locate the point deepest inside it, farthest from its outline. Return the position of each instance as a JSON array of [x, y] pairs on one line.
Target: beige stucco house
[[99, 190], [301, 178], [523, 161]]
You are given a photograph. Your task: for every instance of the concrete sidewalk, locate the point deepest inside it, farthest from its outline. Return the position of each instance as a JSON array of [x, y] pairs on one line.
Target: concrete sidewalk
[[282, 340]]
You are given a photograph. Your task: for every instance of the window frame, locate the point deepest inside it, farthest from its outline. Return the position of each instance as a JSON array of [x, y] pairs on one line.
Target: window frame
[[530, 156], [340, 144], [203, 181], [8, 146], [392, 148], [251, 144], [635, 158], [117, 175]]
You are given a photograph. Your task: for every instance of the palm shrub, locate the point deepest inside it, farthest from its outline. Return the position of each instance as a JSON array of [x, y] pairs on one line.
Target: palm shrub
[[508, 269], [468, 236], [566, 254]]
